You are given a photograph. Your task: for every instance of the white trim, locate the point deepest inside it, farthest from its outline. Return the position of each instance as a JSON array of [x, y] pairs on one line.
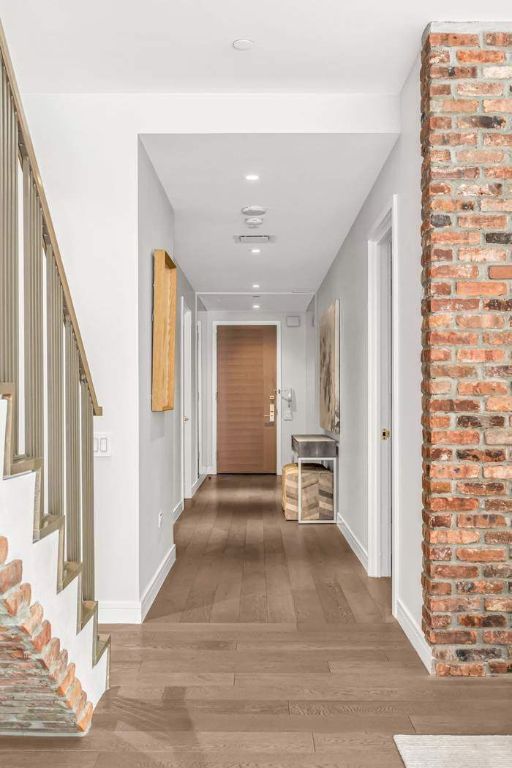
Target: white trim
[[354, 543], [210, 470], [119, 612], [199, 397], [197, 484], [178, 509], [378, 556], [131, 611], [215, 325], [414, 635], [184, 309], [182, 431], [157, 581]]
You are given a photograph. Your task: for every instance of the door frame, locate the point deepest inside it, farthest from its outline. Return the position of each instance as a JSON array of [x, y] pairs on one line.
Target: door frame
[[199, 399], [186, 493], [215, 325], [378, 543]]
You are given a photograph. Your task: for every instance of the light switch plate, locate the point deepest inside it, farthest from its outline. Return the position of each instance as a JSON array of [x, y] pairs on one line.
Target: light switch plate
[[102, 442]]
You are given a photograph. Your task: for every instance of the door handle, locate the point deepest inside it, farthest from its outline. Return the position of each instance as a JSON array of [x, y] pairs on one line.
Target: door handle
[[185, 418], [385, 434]]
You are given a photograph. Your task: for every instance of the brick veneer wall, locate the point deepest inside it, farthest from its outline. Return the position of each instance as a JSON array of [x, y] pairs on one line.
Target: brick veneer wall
[[39, 690], [467, 342]]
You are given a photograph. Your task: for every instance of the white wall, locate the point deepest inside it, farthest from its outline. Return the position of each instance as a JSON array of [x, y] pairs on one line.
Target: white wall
[[347, 279], [159, 433], [293, 375]]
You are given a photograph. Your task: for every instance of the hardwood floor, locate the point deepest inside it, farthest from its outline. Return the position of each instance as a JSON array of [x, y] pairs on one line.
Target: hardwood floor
[[267, 646]]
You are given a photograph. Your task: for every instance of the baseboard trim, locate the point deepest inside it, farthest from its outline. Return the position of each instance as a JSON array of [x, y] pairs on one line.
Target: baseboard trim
[[156, 582], [355, 545], [414, 635], [178, 509], [119, 612], [197, 484], [211, 470], [131, 611]]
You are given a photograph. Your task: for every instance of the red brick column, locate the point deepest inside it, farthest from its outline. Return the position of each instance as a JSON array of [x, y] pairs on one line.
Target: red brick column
[[467, 347]]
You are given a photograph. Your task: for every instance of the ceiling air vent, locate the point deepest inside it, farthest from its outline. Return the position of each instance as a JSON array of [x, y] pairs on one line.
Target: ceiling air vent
[[253, 239]]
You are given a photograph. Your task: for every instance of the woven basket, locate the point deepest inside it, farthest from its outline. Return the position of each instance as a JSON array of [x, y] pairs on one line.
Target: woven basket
[[317, 492]]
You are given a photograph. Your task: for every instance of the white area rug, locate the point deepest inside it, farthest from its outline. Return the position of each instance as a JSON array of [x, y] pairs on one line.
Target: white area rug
[[455, 751]]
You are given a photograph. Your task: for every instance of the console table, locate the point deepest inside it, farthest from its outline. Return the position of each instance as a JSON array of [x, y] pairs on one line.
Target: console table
[[316, 448]]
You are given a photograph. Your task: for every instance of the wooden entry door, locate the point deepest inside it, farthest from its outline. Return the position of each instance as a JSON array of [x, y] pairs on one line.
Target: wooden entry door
[[246, 397]]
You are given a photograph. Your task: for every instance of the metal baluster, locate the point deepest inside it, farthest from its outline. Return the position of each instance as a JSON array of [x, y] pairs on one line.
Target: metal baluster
[[72, 375], [54, 315], [9, 287], [33, 270], [87, 495]]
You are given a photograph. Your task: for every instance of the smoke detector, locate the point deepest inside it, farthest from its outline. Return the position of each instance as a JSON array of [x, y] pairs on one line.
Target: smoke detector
[[254, 210], [254, 221]]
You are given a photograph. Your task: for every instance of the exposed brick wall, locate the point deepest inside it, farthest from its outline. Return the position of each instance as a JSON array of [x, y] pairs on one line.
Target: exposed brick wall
[[467, 342], [38, 687]]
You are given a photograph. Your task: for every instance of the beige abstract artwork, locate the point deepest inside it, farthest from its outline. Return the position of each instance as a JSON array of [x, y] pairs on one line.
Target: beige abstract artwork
[[330, 369]]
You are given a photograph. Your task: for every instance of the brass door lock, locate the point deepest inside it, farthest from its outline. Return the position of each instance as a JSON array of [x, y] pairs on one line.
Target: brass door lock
[[385, 434]]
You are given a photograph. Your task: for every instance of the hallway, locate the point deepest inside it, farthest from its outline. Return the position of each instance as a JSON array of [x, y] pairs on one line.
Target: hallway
[[239, 560], [268, 646]]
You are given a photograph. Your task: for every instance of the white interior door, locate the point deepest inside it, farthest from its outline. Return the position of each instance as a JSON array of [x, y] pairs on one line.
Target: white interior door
[[385, 355]]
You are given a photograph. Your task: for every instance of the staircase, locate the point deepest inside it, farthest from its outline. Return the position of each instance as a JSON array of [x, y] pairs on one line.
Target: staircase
[[53, 663]]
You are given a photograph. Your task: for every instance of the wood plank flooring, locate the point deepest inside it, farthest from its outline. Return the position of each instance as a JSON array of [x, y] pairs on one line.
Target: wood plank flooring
[[267, 646]]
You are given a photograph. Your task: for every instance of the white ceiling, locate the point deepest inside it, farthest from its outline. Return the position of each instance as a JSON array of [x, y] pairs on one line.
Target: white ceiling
[[312, 184], [271, 302], [185, 45]]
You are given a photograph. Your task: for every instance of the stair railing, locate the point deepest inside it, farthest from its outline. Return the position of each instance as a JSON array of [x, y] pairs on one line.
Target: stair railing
[[43, 365]]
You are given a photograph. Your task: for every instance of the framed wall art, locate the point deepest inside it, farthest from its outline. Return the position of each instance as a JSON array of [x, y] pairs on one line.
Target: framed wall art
[[164, 331], [330, 368]]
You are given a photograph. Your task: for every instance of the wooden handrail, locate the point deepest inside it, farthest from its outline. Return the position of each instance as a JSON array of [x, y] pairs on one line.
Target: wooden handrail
[[49, 231]]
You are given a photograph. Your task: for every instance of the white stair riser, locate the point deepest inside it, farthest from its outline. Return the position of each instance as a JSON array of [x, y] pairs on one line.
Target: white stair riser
[[40, 562]]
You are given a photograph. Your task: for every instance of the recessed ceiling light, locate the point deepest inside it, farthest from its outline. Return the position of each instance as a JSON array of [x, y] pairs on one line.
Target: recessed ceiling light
[[255, 285], [254, 210], [255, 306], [255, 250], [243, 44], [252, 177]]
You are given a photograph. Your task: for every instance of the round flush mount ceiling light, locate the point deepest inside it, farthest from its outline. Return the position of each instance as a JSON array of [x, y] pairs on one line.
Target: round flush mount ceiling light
[[254, 221], [255, 250], [243, 44], [255, 285], [254, 210], [252, 177], [255, 306]]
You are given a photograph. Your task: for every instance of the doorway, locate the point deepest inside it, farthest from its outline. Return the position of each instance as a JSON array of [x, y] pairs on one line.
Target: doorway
[[382, 397], [186, 400], [246, 388]]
